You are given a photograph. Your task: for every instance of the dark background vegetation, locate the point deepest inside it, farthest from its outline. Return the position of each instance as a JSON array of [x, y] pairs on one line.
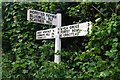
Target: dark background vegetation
[[95, 56]]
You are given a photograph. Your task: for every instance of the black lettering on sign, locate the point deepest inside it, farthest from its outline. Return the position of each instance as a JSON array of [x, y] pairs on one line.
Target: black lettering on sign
[[77, 26], [47, 15], [49, 22], [74, 26], [52, 16], [48, 31], [50, 19], [47, 34], [75, 30], [35, 20], [65, 31], [71, 27], [39, 32], [60, 35], [55, 17], [31, 15], [72, 34], [41, 21], [31, 11], [66, 35], [44, 31], [34, 12], [31, 18], [41, 17], [42, 14], [64, 28], [41, 35], [52, 33], [52, 36], [76, 33], [34, 15]]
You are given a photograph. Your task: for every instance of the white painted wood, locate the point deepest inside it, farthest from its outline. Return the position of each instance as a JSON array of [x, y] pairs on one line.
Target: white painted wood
[[41, 17], [75, 30], [28, 14], [45, 34], [57, 58], [57, 38]]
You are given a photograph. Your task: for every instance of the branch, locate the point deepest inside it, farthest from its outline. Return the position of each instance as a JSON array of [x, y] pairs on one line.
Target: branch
[[98, 10]]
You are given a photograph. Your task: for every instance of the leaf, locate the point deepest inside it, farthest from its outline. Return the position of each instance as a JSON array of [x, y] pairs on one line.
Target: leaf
[[108, 53], [78, 63], [25, 71], [91, 69], [23, 65], [114, 45], [15, 65], [115, 40], [104, 73], [109, 31]]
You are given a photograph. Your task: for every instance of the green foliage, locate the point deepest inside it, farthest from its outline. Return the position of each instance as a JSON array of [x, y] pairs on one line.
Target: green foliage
[[51, 70], [23, 54], [95, 56], [89, 11], [102, 52]]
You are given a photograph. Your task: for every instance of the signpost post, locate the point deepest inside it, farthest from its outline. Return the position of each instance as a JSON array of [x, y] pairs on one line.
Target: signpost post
[[57, 58], [58, 32]]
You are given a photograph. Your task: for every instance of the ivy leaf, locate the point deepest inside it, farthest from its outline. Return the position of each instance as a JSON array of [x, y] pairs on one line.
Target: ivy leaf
[[104, 73], [15, 65], [115, 40], [25, 71], [108, 53]]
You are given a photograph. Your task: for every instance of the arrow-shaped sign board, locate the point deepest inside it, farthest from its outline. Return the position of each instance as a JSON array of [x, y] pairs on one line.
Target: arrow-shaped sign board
[[41, 17], [45, 34], [65, 31], [75, 30]]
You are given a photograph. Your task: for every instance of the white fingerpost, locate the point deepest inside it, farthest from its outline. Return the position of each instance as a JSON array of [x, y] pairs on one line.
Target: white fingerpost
[[28, 14], [58, 32], [57, 57]]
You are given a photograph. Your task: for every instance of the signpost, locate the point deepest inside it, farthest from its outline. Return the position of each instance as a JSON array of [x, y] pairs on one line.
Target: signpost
[[58, 32]]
